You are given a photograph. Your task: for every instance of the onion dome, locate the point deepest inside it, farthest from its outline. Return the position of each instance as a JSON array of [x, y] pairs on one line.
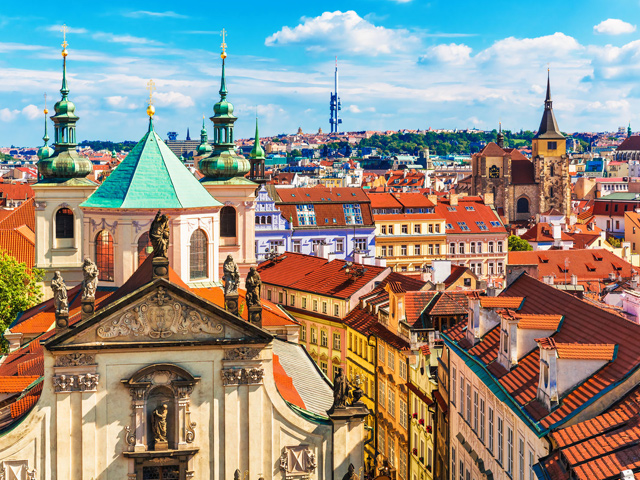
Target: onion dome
[[257, 152], [204, 147], [45, 151], [223, 163]]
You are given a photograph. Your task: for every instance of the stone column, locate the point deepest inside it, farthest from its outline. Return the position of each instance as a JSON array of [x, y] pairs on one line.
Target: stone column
[[139, 414], [348, 439]]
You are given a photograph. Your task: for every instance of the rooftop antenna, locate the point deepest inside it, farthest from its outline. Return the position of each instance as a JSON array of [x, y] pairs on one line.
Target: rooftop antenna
[[334, 104]]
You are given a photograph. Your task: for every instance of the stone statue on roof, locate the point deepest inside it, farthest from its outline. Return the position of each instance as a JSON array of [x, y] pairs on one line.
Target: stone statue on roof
[[159, 235], [231, 276], [90, 280], [60, 299], [340, 390], [253, 284]]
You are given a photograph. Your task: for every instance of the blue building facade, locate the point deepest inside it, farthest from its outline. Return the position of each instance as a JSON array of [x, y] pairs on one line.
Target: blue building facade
[[341, 235]]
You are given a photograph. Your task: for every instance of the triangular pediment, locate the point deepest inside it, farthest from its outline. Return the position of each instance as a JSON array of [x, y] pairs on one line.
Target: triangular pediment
[[159, 314]]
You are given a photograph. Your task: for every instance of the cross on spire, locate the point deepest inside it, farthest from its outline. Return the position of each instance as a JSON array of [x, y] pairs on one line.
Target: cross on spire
[[223, 45], [151, 86]]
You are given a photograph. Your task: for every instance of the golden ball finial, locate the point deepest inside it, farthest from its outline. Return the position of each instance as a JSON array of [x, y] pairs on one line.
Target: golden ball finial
[[64, 53], [46, 111], [223, 55], [151, 110]]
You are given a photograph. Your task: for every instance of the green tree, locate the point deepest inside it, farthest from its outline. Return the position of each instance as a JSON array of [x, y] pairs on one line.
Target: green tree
[[517, 244], [295, 153], [614, 242], [19, 290]]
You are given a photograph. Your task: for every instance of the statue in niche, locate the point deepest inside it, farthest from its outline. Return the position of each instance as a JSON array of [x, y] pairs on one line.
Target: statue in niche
[[340, 390], [90, 281], [231, 276], [59, 288], [159, 235], [253, 285], [159, 424]]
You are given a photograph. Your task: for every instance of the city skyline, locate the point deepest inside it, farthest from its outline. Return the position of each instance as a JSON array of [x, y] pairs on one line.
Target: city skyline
[[441, 71]]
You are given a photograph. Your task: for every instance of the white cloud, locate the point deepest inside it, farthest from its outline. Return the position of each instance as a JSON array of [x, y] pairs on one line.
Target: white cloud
[[343, 31], [174, 99], [357, 109], [129, 39], [455, 54], [7, 115], [31, 112], [613, 26], [538, 50], [18, 47], [147, 13]]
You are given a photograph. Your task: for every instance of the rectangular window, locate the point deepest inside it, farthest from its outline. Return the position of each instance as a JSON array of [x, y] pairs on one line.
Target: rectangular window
[[509, 451], [532, 475], [303, 333], [417, 228], [324, 338], [280, 297], [469, 403], [381, 353], [314, 335], [521, 459], [324, 307], [292, 299], [403, 466], [463, 226], [352, 213], [499, 245], [383, 229], [490, 247], [437, 228], [552, 145], [492, 269], [453, 463], [472, 247], [405, 229], [390, 229], [461, 247], [269, 294], [437, 249], [360, 244], [324, 367], [306, 215], [403, 413], [383, 251], [416, 250], [336, 341], [336, 310], [381, 438], [454, 382], [381, 391], [402, 368], [482, 420], [452, 248], [403, 250], [461, 470], [391, 405], [339, 245], [391, 360], [431, 248], [461, 410], [475, 411], [490, 428], [500, 441], [315, 305], [482, 226], [392, 450], [479, 245], [304, 302]]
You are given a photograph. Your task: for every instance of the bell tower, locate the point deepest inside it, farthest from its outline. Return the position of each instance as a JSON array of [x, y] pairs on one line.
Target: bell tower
[[62, 186], [551, 164]]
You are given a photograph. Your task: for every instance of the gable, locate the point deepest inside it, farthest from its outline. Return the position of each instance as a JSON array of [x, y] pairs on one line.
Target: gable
[[159, 314]]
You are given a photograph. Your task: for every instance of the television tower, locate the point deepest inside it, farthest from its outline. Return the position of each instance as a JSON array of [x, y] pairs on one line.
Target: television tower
[[334, 105]]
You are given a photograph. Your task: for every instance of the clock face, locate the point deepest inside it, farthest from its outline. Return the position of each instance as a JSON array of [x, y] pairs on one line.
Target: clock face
[[494, 172]]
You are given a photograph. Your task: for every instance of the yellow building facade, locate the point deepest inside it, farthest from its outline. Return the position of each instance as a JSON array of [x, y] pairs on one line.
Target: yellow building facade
[[410, 242]]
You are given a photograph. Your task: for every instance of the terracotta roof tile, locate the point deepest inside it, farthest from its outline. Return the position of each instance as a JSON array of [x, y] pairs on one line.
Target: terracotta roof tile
[[513, 303], [543, 232], [539, 321], [470, 211], [16, 384], [383, 200], [492, 149], [415, 303], [586, 351]]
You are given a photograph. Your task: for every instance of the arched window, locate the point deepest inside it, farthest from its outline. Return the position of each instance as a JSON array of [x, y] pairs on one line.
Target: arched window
[[64, 223], [198, 255], [523, 205], [144, 247], [228, 222], [104, 255]]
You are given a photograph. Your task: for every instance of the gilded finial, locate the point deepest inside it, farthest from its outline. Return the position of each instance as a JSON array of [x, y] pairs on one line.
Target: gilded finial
[[151, 86], [45, 104], [64, 31], [223, 55]]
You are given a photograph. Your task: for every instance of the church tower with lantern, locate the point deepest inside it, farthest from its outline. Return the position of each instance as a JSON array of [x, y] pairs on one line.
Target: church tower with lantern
[[224, 178], [62, 185]]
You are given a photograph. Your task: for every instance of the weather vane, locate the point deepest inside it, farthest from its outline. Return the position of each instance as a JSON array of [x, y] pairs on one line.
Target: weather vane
[[151, 86], [223, 55]]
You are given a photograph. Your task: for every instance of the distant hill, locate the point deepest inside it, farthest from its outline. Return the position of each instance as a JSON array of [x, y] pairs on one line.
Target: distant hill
[[97, 145]]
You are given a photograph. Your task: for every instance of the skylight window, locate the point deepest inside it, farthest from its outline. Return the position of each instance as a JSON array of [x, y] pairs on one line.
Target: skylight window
[[463, 226], [449, 226], [451, 209], [470, 209], [495, 224], [482, 225]]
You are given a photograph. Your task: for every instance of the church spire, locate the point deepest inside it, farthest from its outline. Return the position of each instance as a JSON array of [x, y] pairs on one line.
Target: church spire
[[257, 159], [45, 151], [548, 125], [629, 130], [204, 146], [500, 137], [65, 162]]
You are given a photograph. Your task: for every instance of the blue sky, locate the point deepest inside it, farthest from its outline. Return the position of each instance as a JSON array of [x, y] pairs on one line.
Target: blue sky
[[403, 64]]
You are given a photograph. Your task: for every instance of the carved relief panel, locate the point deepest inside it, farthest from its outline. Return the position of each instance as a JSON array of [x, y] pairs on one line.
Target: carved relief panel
[[297, 462], [17, 470]]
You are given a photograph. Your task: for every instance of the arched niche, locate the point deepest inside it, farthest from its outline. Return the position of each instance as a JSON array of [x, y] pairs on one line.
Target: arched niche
[[151, 387]]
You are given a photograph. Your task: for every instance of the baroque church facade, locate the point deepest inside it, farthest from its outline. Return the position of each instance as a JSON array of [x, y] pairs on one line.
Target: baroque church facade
[[144, 368], [523, 188]]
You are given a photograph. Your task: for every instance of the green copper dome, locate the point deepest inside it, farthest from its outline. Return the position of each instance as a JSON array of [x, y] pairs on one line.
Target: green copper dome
[[223, 163], [151, 177], [257, 152], [204, 146], [65, 163], [45, 151]]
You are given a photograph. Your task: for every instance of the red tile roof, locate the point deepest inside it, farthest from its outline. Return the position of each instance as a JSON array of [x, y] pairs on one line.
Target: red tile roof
[[492, 149], [25, 214], [543, 232], [586, 351], [16, 384], [538, 321], [469, 210], [630, 143], [384, 200], [17, 235], [415, 303], [322, 194], [16, 191], [316, 275], [450, 303], [513, 303], [578, 262]]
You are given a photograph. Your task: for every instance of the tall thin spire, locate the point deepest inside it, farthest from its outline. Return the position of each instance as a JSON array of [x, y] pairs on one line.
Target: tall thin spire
[[151, 110], [46, 111], [64, 90], [500, 137], [548, 125], [223, 82], [547, 101]]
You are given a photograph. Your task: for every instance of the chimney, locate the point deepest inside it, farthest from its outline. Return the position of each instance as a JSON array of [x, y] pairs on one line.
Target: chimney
[[634, 281], [453, 199], [557, 234], [433, 199], [441, 270], [14, 340], [574, 279], [488, 199], [440, 287], [548, 279]]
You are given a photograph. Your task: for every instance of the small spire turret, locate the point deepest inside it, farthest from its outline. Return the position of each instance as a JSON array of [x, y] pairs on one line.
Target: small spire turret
[[500, 137]]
